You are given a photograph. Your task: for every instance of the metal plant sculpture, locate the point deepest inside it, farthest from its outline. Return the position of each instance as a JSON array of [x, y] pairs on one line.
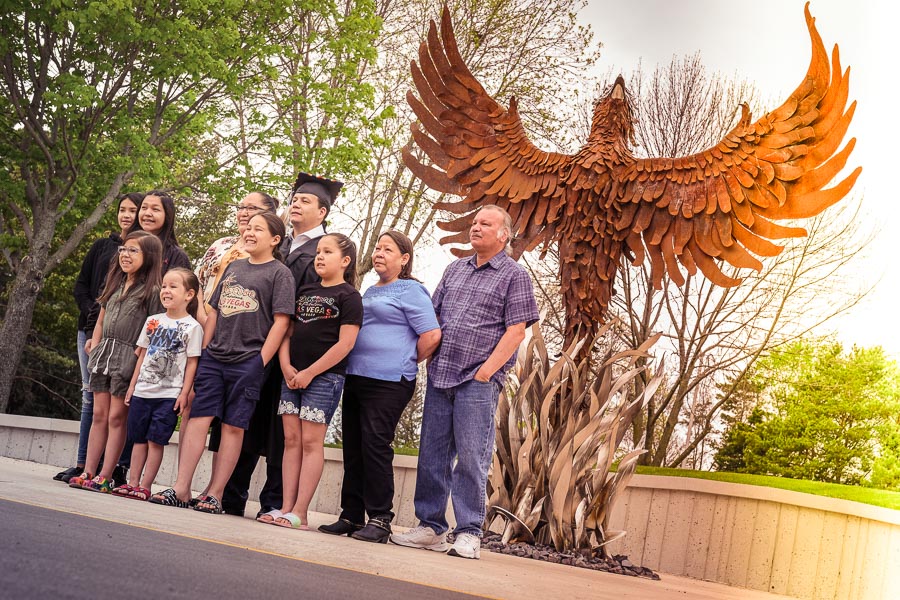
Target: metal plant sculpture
[[603, 203], [556, 443]]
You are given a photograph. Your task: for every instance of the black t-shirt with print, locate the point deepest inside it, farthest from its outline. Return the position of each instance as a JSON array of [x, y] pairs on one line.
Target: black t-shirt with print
[[319, 313]]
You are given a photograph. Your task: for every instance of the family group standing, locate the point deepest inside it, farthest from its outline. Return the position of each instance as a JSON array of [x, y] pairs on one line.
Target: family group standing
[[264, 343]]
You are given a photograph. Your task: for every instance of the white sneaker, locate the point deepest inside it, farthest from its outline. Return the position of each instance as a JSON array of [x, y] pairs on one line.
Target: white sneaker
[[422, 537], [466, 546]]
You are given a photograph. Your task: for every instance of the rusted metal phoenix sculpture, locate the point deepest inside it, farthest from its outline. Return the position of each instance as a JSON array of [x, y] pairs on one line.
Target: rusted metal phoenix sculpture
[[693, 212]]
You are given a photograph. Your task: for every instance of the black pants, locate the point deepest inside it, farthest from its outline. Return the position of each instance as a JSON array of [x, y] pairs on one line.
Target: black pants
[[370, 413], [237, 490]]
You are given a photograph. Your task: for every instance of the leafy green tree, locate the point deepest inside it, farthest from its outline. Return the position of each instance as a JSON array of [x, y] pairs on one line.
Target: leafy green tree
[[97, 96], [315, 112], [730, 456], [819, 413], [886, 468]]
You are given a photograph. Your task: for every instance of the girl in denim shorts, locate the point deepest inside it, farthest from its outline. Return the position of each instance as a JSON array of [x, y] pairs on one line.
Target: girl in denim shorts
[[327, 318]]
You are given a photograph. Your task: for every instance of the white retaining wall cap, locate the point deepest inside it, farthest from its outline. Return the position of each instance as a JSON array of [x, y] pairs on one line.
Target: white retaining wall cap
[[759, 492]]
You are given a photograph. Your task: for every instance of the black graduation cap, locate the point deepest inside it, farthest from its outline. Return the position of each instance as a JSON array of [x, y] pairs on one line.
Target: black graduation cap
[[323, 188]]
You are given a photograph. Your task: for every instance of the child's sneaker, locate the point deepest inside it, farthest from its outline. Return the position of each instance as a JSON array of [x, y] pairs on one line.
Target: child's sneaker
[[99, 484], [422, 537], [78, 480]]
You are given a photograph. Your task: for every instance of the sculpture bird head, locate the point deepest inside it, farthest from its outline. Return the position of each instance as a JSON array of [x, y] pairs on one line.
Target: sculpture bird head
[[612, 122]]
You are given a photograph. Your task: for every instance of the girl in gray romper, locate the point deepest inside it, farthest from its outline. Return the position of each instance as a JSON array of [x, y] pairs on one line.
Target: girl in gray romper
[[131, 295]]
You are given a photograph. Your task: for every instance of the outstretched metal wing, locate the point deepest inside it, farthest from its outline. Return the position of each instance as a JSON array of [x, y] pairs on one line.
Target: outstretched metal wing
[[479, 150], [722, 203]]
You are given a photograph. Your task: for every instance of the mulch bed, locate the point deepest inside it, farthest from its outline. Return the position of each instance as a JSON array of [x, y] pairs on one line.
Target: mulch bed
[[618, 564]]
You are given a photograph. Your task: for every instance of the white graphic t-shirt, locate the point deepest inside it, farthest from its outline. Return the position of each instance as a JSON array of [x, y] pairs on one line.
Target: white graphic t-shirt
[[169, 343]]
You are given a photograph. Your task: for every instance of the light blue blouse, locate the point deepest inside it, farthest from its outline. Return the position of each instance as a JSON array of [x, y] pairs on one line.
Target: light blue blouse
[[394, 316]]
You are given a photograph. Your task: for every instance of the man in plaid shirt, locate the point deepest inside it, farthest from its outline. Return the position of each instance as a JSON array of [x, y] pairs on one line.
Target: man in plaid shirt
[[484, 304]]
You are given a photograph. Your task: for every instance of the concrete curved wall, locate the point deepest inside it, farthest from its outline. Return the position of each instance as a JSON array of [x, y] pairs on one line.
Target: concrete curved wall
[[761, 538], [747, 536]]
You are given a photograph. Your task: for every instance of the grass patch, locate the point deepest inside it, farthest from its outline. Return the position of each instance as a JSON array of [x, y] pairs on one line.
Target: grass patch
[[400, 450], [875, 497], [406, 451]]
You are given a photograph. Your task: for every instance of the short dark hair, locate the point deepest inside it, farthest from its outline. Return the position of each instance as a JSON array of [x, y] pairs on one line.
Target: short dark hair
[[405, 245]]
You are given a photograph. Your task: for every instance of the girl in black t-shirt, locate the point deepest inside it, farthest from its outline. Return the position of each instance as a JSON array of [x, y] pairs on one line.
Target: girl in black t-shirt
[[327, 318]]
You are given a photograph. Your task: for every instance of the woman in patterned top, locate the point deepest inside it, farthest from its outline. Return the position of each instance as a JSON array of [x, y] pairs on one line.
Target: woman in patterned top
[[228, 249]]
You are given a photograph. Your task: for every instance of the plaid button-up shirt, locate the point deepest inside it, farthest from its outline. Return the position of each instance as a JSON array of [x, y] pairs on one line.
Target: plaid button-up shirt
[[475, 306]]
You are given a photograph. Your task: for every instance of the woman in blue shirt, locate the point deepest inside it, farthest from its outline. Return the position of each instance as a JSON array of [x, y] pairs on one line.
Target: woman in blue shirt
[[399, 330]]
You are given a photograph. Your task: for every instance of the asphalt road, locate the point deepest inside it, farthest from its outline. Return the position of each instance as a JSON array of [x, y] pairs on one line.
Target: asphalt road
[[54, 554]]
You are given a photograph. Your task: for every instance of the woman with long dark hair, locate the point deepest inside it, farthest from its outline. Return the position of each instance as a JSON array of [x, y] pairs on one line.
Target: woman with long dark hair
[[157, 216], [399, 330]]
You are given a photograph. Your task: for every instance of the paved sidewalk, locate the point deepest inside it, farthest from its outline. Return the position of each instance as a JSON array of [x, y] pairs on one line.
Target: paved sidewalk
[[495, 575]]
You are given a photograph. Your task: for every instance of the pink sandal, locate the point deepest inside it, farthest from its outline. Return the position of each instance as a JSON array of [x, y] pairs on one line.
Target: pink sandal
[[140, 493], [123, 490], [78, 481]]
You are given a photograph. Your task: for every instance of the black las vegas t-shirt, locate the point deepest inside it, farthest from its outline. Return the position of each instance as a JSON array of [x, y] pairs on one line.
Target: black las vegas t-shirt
[[319, 313]]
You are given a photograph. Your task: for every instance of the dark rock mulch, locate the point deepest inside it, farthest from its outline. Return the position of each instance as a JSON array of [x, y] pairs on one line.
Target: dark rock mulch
[[618, 564]]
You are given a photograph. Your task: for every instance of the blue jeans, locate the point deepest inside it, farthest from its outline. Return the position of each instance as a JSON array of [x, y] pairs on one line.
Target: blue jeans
[[317, 403], [87, 399], [457, 424]]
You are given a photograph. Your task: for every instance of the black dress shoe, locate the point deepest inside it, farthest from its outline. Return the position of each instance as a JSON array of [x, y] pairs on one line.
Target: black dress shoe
[[377, 530], [340, 527], [68, 474]]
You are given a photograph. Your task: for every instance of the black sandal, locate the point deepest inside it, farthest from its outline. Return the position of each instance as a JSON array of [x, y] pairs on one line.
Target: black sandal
[[168, 498], [214, 508]]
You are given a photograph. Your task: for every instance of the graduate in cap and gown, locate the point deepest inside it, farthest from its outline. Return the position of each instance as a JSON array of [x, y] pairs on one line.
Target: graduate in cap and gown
[[311, 202]]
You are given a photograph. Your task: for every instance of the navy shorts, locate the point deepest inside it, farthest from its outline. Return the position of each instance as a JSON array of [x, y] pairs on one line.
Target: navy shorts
[[317, 402], [228, 391], [151, 420]]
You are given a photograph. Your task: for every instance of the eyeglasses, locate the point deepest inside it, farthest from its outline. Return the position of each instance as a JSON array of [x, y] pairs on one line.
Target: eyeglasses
[[249, 208], [129, 250]]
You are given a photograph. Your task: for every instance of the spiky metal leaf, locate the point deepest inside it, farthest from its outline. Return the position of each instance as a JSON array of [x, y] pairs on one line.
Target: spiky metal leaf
[[557, 437]]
